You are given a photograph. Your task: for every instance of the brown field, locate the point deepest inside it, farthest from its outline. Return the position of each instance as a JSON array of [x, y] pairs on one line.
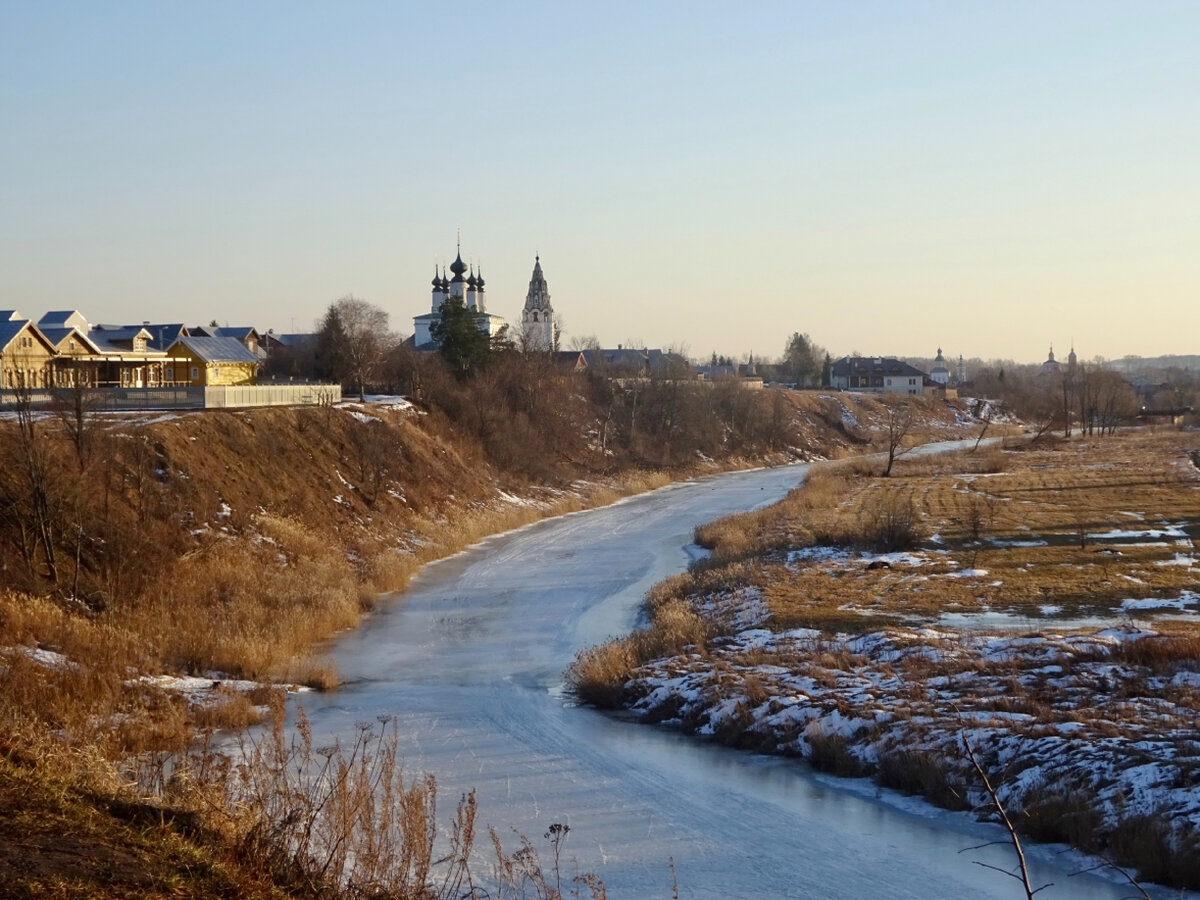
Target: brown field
[[1031, 520]]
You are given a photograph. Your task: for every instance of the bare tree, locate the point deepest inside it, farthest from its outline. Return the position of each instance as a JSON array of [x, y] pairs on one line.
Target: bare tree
[[1022, 873], [985, 412], [899, 423], [76, 409], [26, 483], [355, 338], [1115, 401]]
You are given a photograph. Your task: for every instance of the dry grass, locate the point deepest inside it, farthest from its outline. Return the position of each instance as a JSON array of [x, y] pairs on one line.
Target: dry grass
[[598, 674], [1137, 480], [1046, 497], [248, 608]]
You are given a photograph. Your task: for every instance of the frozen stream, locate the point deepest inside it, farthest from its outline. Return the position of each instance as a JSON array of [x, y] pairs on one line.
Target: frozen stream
[[470, 661]]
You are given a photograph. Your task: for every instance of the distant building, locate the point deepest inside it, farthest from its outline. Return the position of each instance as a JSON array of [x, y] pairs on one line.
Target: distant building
[[108, 355], [469, 290], [538, 328], [630, 361], [1053, 367], [26, 354], [201, 361], [940, 373], [876, 374]]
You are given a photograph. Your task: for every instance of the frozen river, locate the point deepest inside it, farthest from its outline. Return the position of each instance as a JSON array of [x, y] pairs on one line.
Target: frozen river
[[470, 662]]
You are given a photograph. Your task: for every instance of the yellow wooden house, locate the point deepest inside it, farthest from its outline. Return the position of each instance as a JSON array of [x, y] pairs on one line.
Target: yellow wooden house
[[25, 354], [203, 361]]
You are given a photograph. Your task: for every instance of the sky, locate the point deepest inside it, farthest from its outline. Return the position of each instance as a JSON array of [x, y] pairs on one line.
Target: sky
[[887, 177]]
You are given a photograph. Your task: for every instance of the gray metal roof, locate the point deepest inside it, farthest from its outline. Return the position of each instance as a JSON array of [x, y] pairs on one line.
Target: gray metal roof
[[241, 332], [217, 349], [873, 365]]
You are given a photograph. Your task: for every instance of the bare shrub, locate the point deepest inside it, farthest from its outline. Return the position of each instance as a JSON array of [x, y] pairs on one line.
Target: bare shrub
[[1148, 844], [832, 753], [924, 774], [890, 523], [598, 674], [1057, 814], [232, 712]]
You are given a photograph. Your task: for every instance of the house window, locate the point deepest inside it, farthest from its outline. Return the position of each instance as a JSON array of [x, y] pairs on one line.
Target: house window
[[216, 372], [169, 373], [71, 345], [195, 373]]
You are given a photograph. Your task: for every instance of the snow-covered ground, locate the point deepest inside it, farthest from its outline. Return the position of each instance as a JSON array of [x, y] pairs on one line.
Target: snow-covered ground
[[1057, 718]]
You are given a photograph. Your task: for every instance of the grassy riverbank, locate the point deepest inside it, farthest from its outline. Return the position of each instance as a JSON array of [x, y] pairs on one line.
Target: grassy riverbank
[[879, 626]]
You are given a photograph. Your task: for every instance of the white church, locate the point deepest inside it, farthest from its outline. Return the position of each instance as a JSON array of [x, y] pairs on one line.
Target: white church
[[538, 327]]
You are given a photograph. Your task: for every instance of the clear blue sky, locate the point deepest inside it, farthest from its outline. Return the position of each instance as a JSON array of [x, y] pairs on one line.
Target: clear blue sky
[[888, 177]]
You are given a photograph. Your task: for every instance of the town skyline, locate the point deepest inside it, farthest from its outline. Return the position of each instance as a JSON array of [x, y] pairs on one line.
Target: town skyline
[[887, 179]]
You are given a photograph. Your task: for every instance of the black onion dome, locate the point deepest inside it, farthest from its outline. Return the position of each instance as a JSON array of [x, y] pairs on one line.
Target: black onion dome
[[458, 267], [479, 280], [437, 282]]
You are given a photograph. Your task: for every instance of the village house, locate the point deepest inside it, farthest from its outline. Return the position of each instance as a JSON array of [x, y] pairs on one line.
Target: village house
[[209, 361], [102, 355], [877, 374], [26, 356], [63, 349]]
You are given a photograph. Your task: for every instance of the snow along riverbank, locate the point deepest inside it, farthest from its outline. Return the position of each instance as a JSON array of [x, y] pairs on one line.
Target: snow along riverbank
[[1093, 737]]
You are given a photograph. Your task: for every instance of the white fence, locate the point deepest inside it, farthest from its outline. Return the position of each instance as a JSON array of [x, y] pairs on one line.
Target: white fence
[[271, 395], [220, 397]]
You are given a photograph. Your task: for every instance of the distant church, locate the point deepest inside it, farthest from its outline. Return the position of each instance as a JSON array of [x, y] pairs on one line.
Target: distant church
[[537, 318], [940, 373], [538, 327], [1053, 367]]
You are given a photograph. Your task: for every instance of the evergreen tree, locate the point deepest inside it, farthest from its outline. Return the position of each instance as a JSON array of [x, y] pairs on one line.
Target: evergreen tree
[[801, 360], [329, 351], [462, 343]]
